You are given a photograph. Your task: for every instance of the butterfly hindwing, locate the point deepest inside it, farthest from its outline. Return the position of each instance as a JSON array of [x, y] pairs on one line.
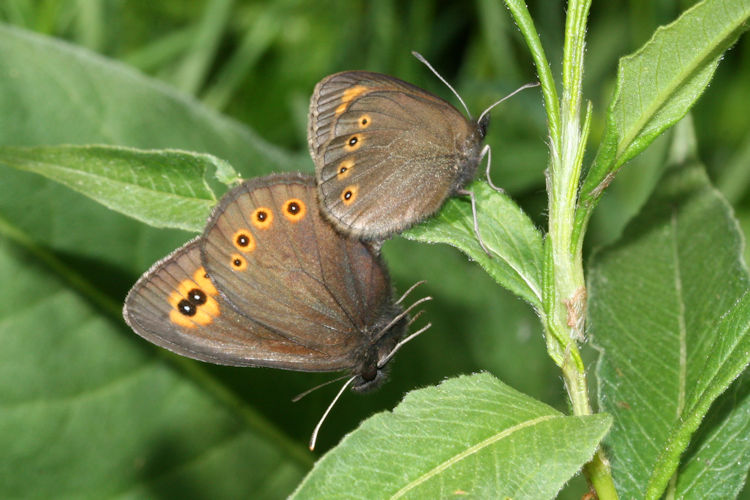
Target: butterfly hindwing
[[387, 154]]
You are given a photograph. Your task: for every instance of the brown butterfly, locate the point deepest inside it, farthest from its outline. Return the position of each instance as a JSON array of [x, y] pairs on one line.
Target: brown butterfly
[[388, 154], [270, 283]]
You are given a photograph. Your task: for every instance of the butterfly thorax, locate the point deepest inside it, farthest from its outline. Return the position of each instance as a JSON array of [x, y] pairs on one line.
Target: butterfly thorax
[[369, 370]]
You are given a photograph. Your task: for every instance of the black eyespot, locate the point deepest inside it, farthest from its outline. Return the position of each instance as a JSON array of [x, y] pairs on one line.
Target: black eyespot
[[293, 208], [243, 240], [342, 170], [186, 308], [237, 263], [196, 296], [364, 121], [261, 215], [353, 141], [347, 195]]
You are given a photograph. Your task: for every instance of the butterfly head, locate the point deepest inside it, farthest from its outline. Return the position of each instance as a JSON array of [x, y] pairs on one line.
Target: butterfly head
[[385, 335]]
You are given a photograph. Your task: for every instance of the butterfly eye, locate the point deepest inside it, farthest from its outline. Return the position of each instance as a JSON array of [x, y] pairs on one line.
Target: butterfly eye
[[244, 241], [353, 143], [345, 168], [294, 209], [364, 121], [262, 218], [349, 194]]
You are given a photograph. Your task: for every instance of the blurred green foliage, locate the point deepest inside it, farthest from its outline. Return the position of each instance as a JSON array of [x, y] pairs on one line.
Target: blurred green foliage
[[258, 61]]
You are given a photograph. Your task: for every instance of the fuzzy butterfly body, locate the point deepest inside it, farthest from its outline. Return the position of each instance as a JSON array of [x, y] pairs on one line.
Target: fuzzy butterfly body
[[270, 283], [387, 154]]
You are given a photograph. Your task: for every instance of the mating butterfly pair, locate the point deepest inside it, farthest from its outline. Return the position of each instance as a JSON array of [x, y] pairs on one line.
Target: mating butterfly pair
[[271, 283]]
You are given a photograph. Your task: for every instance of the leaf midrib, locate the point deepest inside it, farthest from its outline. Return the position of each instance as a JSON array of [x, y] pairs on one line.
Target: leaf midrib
[[468, 452], [116, 182], [677, 81], [681, 324]]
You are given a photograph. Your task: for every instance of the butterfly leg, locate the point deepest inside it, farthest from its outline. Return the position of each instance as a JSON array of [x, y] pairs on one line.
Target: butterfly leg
[[488, 152], [470, 194]]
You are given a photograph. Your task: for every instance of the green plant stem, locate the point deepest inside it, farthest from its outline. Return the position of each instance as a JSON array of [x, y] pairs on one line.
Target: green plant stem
[[564, 297], [523, 20]]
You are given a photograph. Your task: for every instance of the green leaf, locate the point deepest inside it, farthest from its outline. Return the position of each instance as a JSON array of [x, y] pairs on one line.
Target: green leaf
[[55, 93], [734, 177], [717, 467], [513, 352], [509, 234], [160, 188], [108, 251], [84, 402], [670, 309], [87, 412], [472, 435], [658, 84]]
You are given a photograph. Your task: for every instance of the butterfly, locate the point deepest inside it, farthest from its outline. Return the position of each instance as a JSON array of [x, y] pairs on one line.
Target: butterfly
[[388, 154], [271, 283]]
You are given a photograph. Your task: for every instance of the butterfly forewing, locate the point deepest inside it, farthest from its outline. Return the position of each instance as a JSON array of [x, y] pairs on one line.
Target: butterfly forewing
[[295, 274]]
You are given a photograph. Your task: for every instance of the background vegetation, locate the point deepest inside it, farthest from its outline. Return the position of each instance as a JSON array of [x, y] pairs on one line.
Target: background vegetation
[[257, 63]]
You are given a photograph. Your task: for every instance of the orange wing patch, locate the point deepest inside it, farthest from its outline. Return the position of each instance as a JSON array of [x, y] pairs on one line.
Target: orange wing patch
[[349, 194], [243, 240], [345, 168], [239, 263], [354, 143], [349, 96], [364, 121], [200, 276], [193, 302], [294, 209], [262, 218]]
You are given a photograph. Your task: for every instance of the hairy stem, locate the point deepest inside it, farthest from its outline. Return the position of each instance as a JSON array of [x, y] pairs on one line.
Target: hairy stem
[[564, 297]]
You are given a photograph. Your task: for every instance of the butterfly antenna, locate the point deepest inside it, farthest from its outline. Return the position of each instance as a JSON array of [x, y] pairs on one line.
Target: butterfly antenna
[[401, 344], [414, 318], [303, 394], [400, 317], [415, 285], [522, 87], [421, 59], [314, 436]]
